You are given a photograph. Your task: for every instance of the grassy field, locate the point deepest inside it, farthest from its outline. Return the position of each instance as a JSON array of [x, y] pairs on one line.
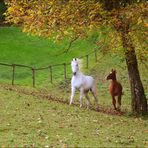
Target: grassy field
[[28, 120], [37, 122], [19, 48]]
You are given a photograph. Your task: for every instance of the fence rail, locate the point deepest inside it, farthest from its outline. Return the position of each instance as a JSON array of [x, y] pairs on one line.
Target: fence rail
[[50, 67]]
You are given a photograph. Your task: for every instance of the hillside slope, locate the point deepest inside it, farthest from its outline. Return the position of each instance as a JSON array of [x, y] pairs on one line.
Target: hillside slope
[[28, 121]]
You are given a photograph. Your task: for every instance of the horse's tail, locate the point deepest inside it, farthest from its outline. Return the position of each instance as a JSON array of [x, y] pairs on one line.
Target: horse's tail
[[94, 89]]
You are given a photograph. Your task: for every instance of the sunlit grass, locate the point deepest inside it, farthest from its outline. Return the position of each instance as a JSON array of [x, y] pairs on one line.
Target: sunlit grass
[[36, 122]]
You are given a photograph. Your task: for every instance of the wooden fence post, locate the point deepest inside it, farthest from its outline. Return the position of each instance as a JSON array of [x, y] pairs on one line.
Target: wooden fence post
[[86, 61], [33, 77], [50, 68], [65, 74], [13, 73]]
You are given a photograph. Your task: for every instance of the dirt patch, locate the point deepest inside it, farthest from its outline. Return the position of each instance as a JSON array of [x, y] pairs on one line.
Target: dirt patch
[[45, 95]]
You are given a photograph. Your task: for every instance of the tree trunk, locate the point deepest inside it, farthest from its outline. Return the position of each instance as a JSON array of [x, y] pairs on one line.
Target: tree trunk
[[138, 98], [139, 102]]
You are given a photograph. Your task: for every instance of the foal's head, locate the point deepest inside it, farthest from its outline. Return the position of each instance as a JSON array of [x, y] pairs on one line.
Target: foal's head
[[75, 66], [112, 75]]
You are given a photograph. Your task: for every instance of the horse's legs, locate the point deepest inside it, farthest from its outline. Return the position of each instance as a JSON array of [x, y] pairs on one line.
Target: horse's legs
[[114, 102], [81, 96], [88, 100], [119, 103], [73, 89], [93, 90]]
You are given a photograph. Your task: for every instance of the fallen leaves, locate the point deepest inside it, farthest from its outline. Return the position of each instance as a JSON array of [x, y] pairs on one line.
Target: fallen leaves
[[61, 125]]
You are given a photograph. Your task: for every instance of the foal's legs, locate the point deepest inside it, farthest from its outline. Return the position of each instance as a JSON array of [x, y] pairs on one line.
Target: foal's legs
[[73, 89], [119, 103], [114, 102]]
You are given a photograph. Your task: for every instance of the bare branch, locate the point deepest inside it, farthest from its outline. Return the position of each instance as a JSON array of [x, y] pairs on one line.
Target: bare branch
[[70, 44]]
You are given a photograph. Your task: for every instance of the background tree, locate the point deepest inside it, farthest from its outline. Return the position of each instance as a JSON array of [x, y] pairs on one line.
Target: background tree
[[75, 18], [2, 10]]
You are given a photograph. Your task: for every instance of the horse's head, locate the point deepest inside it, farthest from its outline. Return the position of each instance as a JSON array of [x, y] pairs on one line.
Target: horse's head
[[75, 66], [111, 75]]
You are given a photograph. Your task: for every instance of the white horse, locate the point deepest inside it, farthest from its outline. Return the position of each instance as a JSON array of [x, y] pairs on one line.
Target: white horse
[[83, 83]]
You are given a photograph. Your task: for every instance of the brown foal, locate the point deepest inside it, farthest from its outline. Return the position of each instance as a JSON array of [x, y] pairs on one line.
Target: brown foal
[[115, 89]]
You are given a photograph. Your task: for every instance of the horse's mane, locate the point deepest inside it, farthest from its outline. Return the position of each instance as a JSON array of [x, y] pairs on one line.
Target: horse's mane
[[80, 62]]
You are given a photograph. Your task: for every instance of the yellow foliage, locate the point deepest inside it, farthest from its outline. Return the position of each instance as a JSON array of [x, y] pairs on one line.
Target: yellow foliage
[[10, 9], [146, 25], [45, 18]]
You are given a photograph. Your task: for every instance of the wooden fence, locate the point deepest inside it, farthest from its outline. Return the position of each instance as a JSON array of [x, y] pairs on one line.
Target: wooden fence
[[50, 67]]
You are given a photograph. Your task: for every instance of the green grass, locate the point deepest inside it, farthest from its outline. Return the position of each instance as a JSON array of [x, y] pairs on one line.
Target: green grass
[[28, 121], [19, 48], [33, 121]]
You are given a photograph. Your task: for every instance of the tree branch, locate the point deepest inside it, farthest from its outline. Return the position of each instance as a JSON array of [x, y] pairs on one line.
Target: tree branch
[[70, 44]]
